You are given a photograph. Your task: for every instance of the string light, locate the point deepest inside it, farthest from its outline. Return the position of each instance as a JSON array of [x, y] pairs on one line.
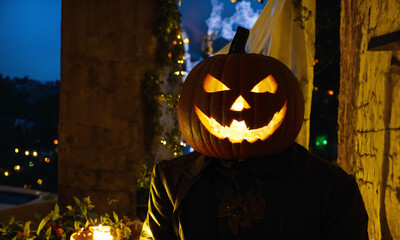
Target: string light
[[31, 164], [47, 159], [6, 173], [16, 150], [186, 40], [40, 181], [330, 92], [55, 141], [27, 153], [35, 154], [17, 168]]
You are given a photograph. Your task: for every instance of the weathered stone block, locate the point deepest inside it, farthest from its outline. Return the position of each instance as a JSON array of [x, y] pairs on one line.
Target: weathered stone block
[[107, 46], [369, 117]]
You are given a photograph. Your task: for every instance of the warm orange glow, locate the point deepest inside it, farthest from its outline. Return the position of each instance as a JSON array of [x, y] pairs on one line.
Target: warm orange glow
[[47, 159], [35, 154], [17, 168], [6, 173], [330, 92], [240, 104], [268, 84], [211, 84], [82, 234], [40, 181], [186, 40], [55, 141], [238, 131], [101, 233], [26, 153]]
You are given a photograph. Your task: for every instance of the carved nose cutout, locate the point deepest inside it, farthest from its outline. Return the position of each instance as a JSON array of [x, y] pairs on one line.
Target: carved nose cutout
[[240, 104]]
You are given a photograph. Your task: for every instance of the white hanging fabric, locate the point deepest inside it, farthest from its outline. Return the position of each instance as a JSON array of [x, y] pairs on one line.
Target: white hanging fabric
[[276, 34]]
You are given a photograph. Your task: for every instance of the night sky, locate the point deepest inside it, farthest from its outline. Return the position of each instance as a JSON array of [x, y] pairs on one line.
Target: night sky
[[31, 31], [30, 39]]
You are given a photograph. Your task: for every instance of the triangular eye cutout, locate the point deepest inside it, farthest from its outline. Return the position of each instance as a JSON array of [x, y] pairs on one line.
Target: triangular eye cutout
[[212, 85], [268, 84]]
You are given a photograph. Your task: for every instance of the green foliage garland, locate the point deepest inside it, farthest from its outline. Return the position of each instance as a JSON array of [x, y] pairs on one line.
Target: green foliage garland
[[170, 49], [60, 226]]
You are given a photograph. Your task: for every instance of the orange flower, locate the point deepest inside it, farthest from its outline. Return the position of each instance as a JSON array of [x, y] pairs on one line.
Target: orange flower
[[20, 234], [59, 231]]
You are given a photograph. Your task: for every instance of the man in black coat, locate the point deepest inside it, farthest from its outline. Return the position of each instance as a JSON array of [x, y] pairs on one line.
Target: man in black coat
[[291, 194]]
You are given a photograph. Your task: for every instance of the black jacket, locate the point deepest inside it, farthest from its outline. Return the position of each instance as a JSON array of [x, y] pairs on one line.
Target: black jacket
[[306, 198]]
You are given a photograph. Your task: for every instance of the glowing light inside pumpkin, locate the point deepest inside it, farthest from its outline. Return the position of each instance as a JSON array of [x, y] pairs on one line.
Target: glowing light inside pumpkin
[[268, 84], [238, 130], [211, 84], [102, 233], [240, 104]]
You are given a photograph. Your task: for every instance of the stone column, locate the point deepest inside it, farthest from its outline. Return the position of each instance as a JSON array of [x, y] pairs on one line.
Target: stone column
[[369, 111], [106, 47]]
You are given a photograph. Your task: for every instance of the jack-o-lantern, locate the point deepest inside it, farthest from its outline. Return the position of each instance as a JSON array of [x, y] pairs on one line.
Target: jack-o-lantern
[[240, 105]]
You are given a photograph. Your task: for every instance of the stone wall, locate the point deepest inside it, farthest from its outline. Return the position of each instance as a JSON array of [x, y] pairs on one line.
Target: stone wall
[[369, 111], [106, 47]]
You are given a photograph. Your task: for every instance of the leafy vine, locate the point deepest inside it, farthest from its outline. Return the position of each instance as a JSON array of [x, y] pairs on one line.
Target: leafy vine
[[170, 53]]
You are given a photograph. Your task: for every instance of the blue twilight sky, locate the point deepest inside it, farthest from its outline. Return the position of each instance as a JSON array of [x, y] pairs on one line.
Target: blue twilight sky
[[30, 39], [31, 31]]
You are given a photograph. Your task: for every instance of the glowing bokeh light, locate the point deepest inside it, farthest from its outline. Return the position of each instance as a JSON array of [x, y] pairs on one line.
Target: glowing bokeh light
[[102, 233]]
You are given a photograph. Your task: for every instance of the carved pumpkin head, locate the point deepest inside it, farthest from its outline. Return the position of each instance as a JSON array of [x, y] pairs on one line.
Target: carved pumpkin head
[[240, 105]]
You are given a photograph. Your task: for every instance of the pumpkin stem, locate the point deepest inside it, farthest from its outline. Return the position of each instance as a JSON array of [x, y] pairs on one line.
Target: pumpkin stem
[[238, 44]]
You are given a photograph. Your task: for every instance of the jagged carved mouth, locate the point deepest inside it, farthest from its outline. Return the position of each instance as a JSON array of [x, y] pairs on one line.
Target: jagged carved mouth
[[238, 130]]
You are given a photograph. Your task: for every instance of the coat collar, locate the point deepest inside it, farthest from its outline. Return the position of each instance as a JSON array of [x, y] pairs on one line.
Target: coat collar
[[191, 173]]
